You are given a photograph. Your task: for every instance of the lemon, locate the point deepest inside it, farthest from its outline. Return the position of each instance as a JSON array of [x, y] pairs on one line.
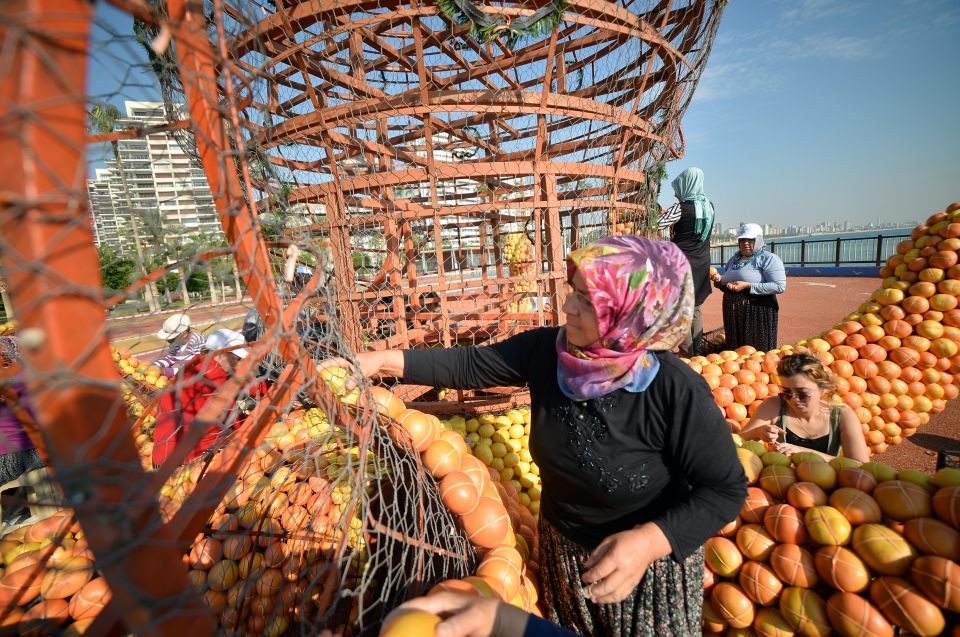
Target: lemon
[[484, 454]]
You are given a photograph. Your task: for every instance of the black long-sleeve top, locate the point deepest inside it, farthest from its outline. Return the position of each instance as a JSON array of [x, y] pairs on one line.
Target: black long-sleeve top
[[664, 455]]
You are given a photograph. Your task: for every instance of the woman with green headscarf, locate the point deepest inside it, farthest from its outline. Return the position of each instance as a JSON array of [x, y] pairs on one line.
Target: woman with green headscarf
[[690, 222]]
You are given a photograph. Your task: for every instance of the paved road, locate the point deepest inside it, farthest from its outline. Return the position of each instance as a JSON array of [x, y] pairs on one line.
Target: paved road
[[138, 333]]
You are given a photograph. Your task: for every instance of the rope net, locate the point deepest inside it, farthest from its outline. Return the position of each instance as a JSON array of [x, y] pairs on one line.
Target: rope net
[[322, 178]]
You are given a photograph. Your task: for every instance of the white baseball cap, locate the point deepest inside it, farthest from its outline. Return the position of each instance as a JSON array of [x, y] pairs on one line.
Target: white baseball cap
[[750, 231], [174, 326], [224, 338]]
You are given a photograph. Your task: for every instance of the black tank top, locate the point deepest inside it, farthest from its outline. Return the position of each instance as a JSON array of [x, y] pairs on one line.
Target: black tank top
[[829, 443]]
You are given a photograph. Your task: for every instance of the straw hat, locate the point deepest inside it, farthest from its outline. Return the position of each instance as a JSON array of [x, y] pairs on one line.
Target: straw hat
[[174, 326]]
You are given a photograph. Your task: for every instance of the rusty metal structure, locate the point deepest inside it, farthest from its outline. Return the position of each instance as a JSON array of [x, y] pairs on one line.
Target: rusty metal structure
[[424, 133]]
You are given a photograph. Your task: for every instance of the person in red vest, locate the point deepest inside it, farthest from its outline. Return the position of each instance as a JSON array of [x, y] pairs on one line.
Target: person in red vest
[[197, 381]]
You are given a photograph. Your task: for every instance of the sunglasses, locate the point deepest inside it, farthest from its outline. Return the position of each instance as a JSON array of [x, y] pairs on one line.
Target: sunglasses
[[799, 394]]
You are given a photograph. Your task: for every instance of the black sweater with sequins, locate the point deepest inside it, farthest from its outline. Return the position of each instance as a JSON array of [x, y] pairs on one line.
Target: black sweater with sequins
[[664, 455]]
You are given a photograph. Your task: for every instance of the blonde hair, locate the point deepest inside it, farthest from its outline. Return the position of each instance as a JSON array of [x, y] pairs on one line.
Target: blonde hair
[[809, 366]]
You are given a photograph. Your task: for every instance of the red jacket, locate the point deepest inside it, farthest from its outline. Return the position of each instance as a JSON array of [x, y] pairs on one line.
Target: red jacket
[[199, 379]]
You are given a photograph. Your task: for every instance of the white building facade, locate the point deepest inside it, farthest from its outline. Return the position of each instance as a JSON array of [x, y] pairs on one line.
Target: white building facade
[[160, 178]]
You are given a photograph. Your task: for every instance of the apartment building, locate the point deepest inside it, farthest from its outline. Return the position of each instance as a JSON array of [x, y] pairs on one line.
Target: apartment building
[[161, 180]]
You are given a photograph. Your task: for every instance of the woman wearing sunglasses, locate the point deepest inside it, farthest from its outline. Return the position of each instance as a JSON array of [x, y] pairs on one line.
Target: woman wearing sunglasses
[[802, 417]]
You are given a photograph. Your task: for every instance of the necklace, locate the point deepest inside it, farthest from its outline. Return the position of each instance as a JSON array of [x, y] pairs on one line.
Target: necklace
[[813, 429]]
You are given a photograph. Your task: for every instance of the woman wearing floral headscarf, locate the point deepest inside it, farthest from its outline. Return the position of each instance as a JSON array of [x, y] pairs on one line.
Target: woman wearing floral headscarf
[[751, 282], [690, 221], [637, 465]]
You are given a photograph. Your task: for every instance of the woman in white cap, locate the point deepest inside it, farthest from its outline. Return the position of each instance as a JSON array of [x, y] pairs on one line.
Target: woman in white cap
[[183, 342], [752, 280]]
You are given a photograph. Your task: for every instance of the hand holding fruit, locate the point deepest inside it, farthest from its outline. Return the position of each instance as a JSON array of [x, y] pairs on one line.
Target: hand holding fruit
[[763, 433], [369, 365], [738, 286], [467, 615], [618, 564]]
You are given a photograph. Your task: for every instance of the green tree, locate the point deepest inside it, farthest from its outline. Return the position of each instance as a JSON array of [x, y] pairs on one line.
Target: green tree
[[116, 270]]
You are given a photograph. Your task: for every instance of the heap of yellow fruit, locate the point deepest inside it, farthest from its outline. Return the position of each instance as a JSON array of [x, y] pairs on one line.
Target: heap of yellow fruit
[[838, 547], [129, 366], [518, 253]]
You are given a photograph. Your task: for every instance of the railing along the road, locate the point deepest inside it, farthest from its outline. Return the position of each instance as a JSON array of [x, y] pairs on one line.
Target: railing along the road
[[839, 251]]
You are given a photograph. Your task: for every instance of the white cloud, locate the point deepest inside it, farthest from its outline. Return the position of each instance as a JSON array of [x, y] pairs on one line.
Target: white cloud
[[809, 10], [827, 46], [734, 77]]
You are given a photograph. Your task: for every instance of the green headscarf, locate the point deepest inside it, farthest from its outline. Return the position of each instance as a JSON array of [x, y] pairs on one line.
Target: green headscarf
[[688, 186]]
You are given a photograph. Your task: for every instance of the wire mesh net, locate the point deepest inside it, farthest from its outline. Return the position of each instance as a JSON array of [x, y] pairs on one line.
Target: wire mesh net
[[317, 179]]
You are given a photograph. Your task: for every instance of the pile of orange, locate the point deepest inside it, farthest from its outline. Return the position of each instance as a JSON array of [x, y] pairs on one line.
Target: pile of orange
[[896, 359]]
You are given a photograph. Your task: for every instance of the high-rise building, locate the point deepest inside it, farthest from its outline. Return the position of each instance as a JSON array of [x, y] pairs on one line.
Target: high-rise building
[[163, 184]]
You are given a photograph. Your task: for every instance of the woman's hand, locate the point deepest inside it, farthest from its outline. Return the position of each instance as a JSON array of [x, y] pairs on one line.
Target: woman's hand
[[470, 616], [620, 562], [738, 286], [763, 433], [369, 364], [788, 450]]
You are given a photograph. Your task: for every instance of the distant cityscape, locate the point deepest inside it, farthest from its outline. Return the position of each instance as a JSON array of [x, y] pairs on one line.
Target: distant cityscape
[[724, 234]]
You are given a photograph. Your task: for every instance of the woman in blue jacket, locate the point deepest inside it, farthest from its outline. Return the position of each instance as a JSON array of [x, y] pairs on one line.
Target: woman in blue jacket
[[752, 280]]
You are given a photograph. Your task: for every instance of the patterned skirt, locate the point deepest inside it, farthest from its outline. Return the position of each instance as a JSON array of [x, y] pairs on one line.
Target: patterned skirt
[[668, 602], [748, 324], [15, 464]]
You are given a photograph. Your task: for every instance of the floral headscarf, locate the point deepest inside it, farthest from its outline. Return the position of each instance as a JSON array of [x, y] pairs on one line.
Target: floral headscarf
[[642, 293]]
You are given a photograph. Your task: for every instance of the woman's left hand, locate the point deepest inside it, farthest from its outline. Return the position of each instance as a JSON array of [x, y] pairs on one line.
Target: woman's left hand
[[787, 449], [620, 562]]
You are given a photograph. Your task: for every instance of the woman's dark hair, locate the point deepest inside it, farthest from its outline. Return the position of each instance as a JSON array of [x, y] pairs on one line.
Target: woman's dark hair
[[809, 366]]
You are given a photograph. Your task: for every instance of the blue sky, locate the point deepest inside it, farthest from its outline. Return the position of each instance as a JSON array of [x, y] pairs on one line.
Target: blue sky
[[817, 110]]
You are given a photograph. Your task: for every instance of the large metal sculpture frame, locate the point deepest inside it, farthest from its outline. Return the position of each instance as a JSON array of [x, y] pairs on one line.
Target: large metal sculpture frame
[[530, 138]]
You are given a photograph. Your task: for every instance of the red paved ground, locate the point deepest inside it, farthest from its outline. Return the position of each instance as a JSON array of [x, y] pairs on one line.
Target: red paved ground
[[811, 305]]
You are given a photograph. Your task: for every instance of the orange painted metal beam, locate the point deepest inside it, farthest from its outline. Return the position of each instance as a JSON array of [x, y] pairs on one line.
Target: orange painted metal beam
[[53, 273]]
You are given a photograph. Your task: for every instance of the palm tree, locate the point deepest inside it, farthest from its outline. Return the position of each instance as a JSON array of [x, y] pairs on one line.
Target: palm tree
[[103, 119], [169, 246]]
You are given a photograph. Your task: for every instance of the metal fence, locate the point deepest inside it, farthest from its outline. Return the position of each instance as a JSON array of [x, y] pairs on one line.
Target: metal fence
[[839, 251]]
